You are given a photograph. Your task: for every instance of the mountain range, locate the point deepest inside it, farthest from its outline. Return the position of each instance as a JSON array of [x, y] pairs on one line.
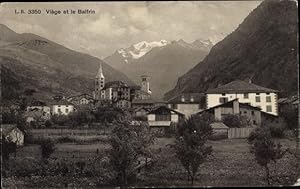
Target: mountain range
[[48, 67], [164, 61], [263, 48]]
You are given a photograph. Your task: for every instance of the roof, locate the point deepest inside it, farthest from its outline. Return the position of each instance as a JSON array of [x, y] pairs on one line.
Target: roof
[[37, 103], [161, 109], [269, 115], [87, 96], [239, 86], [135, 87], [230, 104], [143, 101], [296, 102], [218, 125], [289, 100], [187, 98], [282, 100], [61, 102], [33, 113], [114, 84], [143, 92], [141, 108], [7, 128]]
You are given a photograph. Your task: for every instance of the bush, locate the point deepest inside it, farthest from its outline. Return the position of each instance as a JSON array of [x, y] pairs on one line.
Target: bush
[[48, 124], [277, 127], [61, 120], [47, 148], [236, 121]]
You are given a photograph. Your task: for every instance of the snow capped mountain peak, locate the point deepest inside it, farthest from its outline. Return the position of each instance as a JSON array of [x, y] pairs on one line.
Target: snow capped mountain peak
[[138, 50], [202, 42]]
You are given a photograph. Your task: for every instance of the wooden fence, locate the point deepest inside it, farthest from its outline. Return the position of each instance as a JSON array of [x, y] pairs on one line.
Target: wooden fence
[[64, 132], [239, 132]]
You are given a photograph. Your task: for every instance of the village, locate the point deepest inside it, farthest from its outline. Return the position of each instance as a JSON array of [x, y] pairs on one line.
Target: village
[[236, 109], [149, 94]]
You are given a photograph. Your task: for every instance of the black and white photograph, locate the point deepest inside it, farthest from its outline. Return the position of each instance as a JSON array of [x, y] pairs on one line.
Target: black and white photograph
[[149, 94]]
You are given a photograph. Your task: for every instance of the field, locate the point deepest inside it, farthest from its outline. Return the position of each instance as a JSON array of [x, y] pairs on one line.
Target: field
[[231, 164]]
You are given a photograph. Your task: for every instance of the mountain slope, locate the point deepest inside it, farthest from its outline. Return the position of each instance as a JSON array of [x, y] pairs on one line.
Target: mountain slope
[[163, 63], [263, 48], [50, 67]]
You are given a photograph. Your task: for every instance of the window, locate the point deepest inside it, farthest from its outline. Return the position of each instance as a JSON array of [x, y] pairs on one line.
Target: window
[[223, 94], [246, 95], [245, 112], [257, 98], [252, 112], [223, 100], [257, 93], [67, 105], [267, 93], [254, 122], [269, 108], [268, 99], [67, 110]]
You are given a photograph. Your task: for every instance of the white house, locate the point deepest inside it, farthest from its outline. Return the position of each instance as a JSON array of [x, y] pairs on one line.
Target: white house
[[82, 99], [188, 103], [163, 117], [245, 92], [12, 133], [62, 107]]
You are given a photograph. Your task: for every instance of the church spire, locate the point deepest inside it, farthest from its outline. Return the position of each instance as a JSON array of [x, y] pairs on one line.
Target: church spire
[[100, 72]]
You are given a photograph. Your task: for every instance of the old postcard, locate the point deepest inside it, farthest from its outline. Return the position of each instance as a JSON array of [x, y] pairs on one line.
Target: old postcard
[[149, 94]]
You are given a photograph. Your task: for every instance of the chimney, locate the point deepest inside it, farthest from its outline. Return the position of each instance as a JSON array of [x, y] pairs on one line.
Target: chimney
[[250, 80], [236, 106]]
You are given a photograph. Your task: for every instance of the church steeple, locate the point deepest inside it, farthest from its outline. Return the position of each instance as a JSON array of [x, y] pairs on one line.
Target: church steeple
[[99, 83], [100, 72]]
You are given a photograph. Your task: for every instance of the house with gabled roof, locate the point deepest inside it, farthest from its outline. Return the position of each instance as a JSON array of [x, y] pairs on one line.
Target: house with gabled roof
[[187, 103], [163, 117], [254, 114], [61, 107], [13, 133], [235, 107], [81, 99], [246, 92]]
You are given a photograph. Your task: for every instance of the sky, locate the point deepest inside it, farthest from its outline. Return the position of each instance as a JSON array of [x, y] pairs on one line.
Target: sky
[[114, 25]]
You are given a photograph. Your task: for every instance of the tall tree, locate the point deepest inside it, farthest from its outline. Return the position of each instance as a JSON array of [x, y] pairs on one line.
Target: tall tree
[[190, 145], [265, 149], [129, 144]]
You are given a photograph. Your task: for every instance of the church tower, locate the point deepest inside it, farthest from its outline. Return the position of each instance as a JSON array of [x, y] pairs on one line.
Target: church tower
[[145, 84], [99, 83]]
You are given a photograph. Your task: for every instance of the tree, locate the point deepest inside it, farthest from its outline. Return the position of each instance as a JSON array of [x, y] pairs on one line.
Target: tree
[[81, 117], [190, 142], [7, 147], [290, 115], [129, 142], [47, 147], [265, 149], [236, 121], [48, 124]]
